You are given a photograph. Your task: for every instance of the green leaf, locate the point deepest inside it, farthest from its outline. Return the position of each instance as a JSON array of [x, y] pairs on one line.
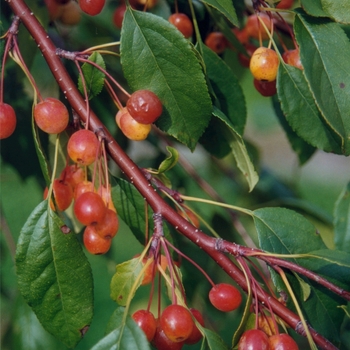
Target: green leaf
[[228, 92], [303, 150], [335, 9], [94, 78], [239, 150], [283, 231], [327, 73], [124, 279], [304, 287], [123, 334], [342, 220], [301, 111], [225, 7], [334, 265], [156, 56], [130, 206], [29, 334], [170, 161], [313, 8], [213, 139], [54, 276], [213, 340]]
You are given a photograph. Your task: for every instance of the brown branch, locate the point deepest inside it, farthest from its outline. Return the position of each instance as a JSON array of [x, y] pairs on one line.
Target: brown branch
[[238, 250], [159, 206]]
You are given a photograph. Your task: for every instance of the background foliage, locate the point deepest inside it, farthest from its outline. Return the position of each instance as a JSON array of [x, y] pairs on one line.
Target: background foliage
[[292, 150]]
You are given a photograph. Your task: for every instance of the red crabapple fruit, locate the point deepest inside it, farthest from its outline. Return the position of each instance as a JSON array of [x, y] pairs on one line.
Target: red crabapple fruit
[[94, 243], [89, 208], [182, 23], [176, 322], [254, 339], [162, 342], [196, 335], [146, 321], [8, 120], [144, 106], [216, 41], [83, 147], [255, 29], [51, 116], [108, 226], [282, 341], [266, 88], [92, 7], [225, 297], [292, 57]]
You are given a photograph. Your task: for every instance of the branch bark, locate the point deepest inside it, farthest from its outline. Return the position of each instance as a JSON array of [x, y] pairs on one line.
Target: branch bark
[[131, 170]]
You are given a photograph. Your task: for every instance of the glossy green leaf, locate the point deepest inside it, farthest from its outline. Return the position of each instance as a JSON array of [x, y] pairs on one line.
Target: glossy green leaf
[[156, 56], [169, 161], [122, 334], [131, 208], [283, 231], [303, 150], [335, 267], [305, 288], [225, 7], [54, 276], [338, 10], [93, 77], [228, 92], [300, 110], [213, 340], [213, 141], [124, 279], [239, 150], [342, 220], [313, 8], [327, 73]]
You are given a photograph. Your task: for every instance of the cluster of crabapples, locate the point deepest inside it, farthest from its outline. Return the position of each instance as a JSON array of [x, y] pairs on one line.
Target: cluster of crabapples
[[135, 119], [263, 62], [69, 12], [177, 324], [257, 339], [92, 208], [66, 12]]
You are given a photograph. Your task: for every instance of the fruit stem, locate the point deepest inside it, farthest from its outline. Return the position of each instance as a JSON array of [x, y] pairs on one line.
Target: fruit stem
[[219, 204], [297, 306], [102, 46], [81, 59], [192, 262]]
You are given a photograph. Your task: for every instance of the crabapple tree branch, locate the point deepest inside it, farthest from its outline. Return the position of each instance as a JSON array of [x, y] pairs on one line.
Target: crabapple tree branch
[[160, 207], [238, 250]]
